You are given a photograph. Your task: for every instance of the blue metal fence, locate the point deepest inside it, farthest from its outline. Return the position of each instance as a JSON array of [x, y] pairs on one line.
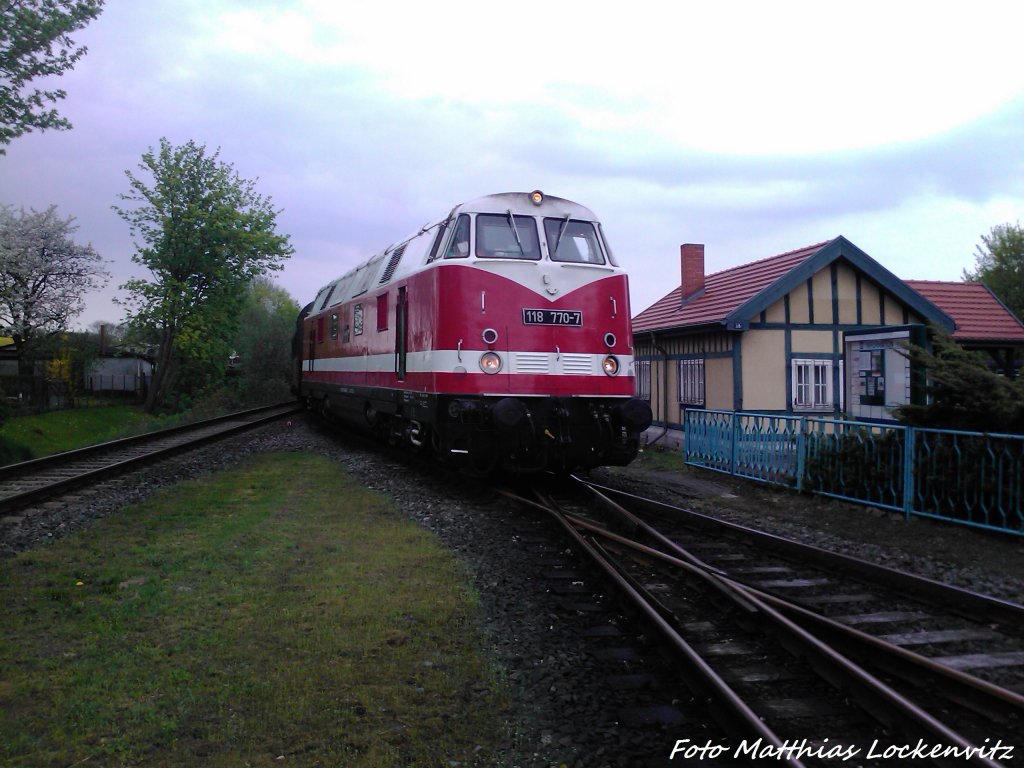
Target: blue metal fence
[[968, 478]]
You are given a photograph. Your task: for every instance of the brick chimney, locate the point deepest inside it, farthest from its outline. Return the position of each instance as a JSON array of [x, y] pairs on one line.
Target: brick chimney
[[691, 258]]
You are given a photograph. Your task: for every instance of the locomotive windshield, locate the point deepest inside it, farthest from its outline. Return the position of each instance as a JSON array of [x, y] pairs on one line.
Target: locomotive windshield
[[574, 241], [497, 238]]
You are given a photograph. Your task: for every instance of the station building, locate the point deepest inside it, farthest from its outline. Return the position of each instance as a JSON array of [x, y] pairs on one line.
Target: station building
[[819, 330]]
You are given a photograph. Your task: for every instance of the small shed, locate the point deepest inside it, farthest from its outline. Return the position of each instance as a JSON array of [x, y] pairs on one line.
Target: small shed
[[120, 373]]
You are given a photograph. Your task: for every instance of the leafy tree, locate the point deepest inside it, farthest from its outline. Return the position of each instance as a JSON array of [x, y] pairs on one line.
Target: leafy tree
[[999, 264], [35, 41], [206, 234], [43, 276], [263, 344], [963, 393]]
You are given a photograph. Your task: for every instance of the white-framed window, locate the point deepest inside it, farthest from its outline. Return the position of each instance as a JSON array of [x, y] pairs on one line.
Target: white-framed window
[[812, 385], [691, 382], [642, 380]]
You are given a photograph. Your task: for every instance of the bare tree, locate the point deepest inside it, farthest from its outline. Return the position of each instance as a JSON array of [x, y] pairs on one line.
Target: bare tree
[[44, 276]]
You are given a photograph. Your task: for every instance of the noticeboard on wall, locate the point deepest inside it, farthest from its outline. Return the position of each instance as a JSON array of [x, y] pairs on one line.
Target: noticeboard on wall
[[871, 376]]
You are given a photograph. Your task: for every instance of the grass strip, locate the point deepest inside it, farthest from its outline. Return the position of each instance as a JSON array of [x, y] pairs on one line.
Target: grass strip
[[275, 614], [56, 431]]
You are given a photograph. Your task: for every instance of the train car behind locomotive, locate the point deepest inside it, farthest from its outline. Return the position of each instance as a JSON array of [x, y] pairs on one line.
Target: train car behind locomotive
[[498, 336]]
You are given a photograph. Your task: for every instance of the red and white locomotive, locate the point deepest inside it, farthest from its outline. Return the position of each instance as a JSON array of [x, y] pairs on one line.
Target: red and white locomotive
[[498, 337]]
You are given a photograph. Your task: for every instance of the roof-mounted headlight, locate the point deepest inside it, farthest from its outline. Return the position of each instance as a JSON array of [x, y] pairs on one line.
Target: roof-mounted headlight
[[536, 197]]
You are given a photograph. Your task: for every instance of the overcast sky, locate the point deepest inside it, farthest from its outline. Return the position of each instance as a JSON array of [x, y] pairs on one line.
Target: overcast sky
[[754, 128]]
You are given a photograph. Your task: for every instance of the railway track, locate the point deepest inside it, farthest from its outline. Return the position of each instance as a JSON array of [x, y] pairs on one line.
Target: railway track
[[759, 624], [32, 482]]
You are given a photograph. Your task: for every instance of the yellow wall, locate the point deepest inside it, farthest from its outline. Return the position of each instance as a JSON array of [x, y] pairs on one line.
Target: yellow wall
[[675, 412], [764, 370], [662, 391], [870, 303], [847, 289], [893, 311], [776, 312], [821, 284], [811, 341], [799, 311], [718, 383], [717, 387]]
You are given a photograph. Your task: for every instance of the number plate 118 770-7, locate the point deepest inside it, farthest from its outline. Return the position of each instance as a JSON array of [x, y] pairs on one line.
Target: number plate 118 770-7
[[552, 317]]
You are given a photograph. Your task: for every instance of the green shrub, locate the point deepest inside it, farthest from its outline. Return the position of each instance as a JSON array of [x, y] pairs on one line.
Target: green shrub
[[963, 393], [12, 452]]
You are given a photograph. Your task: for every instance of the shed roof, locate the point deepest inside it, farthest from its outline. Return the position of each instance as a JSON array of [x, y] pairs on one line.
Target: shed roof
[[980, 316], [733, 296]]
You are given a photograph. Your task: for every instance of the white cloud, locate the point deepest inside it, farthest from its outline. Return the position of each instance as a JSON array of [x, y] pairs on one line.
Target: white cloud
[[752, 127], [746, 78]]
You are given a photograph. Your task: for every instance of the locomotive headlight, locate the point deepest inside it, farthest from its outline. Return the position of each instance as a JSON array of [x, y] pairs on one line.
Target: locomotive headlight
[[490, 362], [536, 197], [610, 365]]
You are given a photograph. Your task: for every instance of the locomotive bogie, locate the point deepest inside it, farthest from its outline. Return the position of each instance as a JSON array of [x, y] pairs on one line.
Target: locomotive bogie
[[498, 336]]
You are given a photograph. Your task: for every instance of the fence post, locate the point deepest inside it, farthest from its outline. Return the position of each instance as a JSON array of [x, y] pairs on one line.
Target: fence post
[[908, 472], [801, 448], [686, 438], [734, 419]]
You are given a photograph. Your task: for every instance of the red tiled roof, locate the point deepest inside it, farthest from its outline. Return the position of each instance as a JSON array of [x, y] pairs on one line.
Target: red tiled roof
[[723, 292], [979, 315]]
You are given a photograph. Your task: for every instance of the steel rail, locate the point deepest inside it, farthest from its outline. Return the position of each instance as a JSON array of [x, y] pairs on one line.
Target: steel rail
[[33, 465], [20, 500], [702, 678], [981, 693], [880, 697], [879, 700], [964, 601]]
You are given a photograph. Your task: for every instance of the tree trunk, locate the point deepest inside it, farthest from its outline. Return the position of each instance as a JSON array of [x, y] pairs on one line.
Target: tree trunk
[[162, 373]]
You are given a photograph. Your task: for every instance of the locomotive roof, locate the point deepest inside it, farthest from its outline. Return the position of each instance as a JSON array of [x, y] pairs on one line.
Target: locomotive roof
[[519, 203]]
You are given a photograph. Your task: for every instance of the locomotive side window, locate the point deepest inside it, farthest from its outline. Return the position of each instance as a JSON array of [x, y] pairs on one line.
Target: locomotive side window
[[607, 248], [459, 247], [573, 241], [442, 228], [334, 326], [382, 312], [497, 238]]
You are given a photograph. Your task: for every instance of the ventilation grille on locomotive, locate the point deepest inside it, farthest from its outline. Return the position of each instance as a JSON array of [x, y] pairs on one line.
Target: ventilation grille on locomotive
[[389, 271], [546, 362], [577, 364], [531, 362]]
